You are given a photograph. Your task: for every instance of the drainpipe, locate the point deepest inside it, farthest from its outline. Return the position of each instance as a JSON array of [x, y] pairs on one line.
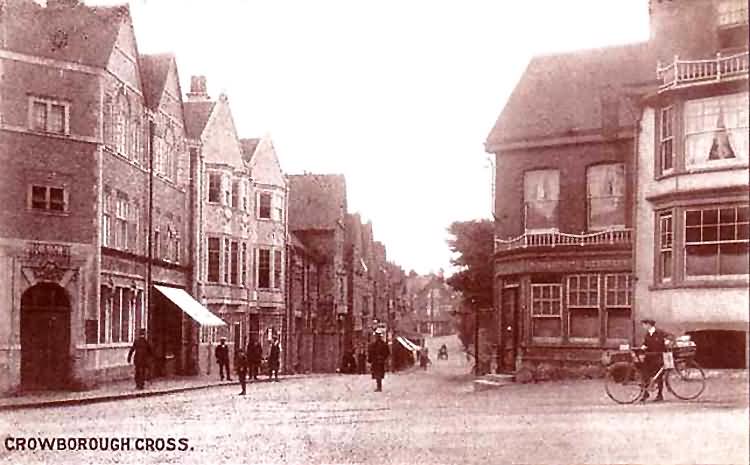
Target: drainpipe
[[149, 238], [634, 214]]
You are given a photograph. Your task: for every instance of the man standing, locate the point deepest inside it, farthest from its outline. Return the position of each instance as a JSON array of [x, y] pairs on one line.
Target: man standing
[[274, 358], [378, 353], [240, 364], [254, 357], [142, 350], [222, 359], [654, 346]]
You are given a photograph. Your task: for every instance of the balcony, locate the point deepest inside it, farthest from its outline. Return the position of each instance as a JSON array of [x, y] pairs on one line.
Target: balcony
[[685, 73], [557, 239]]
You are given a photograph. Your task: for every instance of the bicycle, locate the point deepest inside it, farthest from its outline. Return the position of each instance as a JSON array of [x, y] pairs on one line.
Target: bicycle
[[683, 377]]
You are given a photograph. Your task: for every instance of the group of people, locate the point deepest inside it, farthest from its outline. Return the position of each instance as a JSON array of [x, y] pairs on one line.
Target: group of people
[[247, 362]]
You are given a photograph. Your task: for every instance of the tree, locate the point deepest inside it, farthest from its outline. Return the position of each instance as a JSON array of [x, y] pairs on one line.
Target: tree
[[472, 243]]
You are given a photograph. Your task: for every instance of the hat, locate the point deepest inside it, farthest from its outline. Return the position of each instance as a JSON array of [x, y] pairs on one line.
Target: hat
[[648, 321], [222, 338]]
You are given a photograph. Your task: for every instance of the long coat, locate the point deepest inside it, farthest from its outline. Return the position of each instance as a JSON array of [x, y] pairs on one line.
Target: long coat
[[254, 353], [274, 356], [378, 353], [222, 354], [142, 350]]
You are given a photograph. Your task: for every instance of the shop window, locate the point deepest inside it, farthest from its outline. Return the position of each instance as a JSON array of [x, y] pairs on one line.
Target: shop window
[[618, 294], [546, 312], [606, 196], [541, 198], [583, 307], [716, 241]]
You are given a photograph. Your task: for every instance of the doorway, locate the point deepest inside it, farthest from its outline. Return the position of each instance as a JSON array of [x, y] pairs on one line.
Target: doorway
[[45, 337], [509, 338]]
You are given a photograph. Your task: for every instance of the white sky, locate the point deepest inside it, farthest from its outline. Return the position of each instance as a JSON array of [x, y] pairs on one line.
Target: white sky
[[397, 95]]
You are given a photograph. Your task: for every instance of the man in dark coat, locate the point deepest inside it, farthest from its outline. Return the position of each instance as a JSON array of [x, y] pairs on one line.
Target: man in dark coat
[[254, 357], [240, 365], [274, 359], [654, 344], [142, 351], [362, 361], [222, 359], [378, 353]]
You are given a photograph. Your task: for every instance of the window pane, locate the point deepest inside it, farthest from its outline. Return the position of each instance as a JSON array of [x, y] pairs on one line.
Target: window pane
[[693, 218], [235, 263], [39, 197], [265, 206], [701, 260], [584, 322], [126, 309], [40, 116], [56, 119], [693, 234], [606, 193], [214, 256], [541, 196], [56, 199], [235, 194], [103, 307], [264, 268], [733, 259], [214, 187], [547, 327], [115, 316], [618, 323]]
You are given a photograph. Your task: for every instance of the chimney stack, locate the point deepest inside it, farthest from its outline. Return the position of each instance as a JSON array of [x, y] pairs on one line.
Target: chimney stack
[[198, 89]]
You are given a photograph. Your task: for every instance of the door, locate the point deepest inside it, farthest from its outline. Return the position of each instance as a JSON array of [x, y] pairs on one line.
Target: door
[[509, 339], [45, 337]]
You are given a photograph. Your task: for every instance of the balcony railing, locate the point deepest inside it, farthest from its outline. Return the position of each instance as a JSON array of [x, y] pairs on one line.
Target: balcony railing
[[683, 73], [555, 239]]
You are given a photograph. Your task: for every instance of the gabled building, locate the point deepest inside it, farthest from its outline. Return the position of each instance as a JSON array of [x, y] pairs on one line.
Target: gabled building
[[227, 224], [317, 216], [435, 305], [692, 161]]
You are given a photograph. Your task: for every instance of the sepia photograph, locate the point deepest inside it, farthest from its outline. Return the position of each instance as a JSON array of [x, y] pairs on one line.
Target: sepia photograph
[[374, 232]]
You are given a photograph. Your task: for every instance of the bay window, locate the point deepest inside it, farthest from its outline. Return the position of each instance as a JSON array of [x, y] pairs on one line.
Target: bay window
[[716, 131], [606, 196], [666, 140], [541, 190], [716, 241]]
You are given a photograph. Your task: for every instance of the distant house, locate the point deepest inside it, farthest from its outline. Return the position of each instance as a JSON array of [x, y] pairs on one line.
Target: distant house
[[360, 285], [435, 305]]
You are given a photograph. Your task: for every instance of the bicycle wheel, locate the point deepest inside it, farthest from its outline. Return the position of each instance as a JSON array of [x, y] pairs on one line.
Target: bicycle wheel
[[623, 383], [687, 381]]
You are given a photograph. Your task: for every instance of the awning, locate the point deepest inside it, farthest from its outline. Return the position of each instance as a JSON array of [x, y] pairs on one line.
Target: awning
[[192, 307], [407, 343]]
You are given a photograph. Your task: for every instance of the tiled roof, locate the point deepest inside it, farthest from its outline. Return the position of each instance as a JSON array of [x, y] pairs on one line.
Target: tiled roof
[[154, 71], [79, 34], [563, 94], [316, 201], [196, 117], [248, 148]]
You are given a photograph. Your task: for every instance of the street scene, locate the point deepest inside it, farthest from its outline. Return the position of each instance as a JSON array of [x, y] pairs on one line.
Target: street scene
[[431, 416], [296, 232]]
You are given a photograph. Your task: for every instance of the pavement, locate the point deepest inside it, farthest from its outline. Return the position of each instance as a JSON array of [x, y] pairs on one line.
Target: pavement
[[422, 417]]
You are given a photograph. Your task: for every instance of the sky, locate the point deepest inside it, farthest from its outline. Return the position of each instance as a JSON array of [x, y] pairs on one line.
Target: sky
[[399, 96]]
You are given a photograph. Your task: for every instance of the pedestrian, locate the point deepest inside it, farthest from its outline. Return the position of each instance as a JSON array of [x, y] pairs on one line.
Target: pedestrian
[[222, 359], [142, 351], [654, 345], [240, 365], [424, 358], [378, 353], [362, 361], [274, 357], [349, 364], [254, 358]]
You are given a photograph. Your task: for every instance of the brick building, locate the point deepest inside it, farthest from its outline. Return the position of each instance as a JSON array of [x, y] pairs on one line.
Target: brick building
[[359, 284]]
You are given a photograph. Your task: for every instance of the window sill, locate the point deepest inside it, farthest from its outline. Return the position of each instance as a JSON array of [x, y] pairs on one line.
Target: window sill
[[701, 170], [701, 284], [110, 345], [38, 211]]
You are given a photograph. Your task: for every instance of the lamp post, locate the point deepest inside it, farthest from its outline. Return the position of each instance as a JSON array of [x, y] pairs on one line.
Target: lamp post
[[476, 336]]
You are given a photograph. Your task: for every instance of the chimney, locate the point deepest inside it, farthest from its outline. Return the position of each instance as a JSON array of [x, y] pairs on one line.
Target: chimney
[[198, 89]]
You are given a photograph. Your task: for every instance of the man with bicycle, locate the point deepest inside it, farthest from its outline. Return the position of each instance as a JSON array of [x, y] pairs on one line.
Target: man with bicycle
[[654, 345]]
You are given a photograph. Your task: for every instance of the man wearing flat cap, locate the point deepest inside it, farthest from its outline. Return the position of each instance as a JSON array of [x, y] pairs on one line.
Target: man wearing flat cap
[[222, 359], [654, 345]]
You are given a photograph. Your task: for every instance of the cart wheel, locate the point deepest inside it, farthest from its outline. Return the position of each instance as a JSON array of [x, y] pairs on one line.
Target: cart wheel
[[623, 383]]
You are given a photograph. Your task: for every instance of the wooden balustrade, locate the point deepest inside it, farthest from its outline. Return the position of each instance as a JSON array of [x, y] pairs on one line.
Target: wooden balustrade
[[682, 73], [556, 238]]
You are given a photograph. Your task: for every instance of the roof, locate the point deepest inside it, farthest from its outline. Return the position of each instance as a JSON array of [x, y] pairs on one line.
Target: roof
[[154, 72], [316, 201], [80, 34], [564, 93], [196, 117], [248, 148]]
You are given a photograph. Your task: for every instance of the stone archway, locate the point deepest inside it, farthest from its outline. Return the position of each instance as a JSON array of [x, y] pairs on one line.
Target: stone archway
[[45, 337]]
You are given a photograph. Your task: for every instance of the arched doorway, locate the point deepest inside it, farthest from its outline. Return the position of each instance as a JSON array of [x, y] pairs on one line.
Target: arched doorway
[[45, 337]]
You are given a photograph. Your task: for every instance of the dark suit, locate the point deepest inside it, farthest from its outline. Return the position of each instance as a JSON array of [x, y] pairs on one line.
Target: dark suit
[[240, 366], [378, 353], [254, 358], [274, 358], [142, 351], [222, 358], [655, 346]]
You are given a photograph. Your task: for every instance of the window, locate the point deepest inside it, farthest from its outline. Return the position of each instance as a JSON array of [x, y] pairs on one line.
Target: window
[[716, 241], [104, 310], [731, 12], [546, 311], [227, 260], [666, 140], [121, 222], [214, 259], [264, 268], [541, 197], [245, 198], [235, 194], [278, 208], [235, 259], [214, 187], [277, 269], [606, 196], [48, 115], [665, 246], [134, 234], [264, 205], [121, 313], [243, 265], [107, 220], [47, 198], [583, 306], [716, 131], [617, 302], [122, 124]]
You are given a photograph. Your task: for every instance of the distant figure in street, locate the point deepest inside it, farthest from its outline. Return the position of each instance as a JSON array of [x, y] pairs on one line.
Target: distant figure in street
[[362, 361], [378, 353], [240, 365], [274, 357], [424, 358], [142, 350], [349, 364], [254, 358], [443, 352], [222, 359]]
